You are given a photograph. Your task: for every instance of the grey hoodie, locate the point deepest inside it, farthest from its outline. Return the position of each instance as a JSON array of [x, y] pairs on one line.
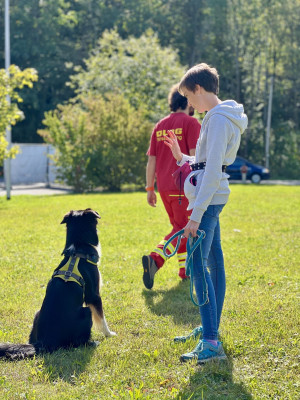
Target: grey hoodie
[[217, 145]]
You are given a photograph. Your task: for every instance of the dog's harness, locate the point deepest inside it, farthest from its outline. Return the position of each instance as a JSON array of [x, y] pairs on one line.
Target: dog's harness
[[70, 272]]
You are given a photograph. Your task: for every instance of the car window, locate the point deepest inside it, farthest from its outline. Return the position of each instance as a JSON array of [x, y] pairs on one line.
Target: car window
[[238, 162]]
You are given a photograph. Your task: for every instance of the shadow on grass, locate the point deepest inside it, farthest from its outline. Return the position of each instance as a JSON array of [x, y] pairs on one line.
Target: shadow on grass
[[66, 364], [175, 302], [214, 381], [211, 381]]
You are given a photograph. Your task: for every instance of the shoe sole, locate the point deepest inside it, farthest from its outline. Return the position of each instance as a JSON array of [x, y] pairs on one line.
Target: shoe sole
[[221, 358], [146, 276]]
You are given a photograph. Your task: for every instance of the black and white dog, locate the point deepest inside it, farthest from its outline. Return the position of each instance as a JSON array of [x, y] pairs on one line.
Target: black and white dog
[[63, 321]]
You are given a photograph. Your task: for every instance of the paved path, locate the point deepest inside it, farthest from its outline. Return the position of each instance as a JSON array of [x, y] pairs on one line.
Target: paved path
[[41, 189]]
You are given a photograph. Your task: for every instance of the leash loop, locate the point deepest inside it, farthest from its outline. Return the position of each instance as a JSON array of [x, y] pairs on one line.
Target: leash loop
[[191, 246], [177, 234]]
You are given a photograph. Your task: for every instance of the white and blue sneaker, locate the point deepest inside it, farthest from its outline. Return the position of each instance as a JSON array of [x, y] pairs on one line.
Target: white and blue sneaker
[[204, 352], [195, 334]]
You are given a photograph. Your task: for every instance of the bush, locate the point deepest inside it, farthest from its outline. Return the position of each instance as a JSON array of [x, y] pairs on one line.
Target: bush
[[138, 68], [99, 141]]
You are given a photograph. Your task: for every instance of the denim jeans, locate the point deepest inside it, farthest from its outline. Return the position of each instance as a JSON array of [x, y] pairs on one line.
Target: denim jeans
[[213, 263]]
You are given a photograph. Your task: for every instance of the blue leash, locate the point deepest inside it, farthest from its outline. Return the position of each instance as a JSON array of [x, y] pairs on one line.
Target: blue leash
[[191, 246]]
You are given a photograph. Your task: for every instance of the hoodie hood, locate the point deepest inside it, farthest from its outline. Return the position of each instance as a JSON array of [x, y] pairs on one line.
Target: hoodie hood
[[233, 111]]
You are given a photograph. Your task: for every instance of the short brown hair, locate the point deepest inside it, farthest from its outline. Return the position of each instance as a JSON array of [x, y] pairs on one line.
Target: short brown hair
[[202, 75], [176, 100]]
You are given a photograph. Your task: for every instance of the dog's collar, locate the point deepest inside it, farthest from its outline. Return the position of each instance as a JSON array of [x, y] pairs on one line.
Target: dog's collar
[[91, 258]]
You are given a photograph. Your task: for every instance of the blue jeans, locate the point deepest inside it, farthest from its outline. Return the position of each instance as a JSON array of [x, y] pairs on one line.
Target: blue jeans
[[213, 263]]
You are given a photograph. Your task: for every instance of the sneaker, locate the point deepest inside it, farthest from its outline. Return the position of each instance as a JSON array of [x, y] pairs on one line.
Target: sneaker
[[195, 334], [182, 274], [150, 270], [204, 352]]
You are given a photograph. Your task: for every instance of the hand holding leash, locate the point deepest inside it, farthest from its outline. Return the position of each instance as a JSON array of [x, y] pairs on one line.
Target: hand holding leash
[[191, 246], [191, 228]]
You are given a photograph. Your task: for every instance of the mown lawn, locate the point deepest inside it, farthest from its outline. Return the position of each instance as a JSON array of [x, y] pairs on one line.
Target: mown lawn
[[260, 325]]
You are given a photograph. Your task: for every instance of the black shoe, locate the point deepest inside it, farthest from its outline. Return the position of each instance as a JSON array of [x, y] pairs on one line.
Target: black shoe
[[150, 270]]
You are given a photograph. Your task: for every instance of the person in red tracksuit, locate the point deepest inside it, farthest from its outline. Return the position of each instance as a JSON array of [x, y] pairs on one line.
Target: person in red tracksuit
[[161, 166]]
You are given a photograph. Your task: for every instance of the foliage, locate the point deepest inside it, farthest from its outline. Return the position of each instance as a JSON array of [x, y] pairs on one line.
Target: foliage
[[248, 42], [138, 68], [264, 39], [260, 321], [99, 142], [10, 114], [41, 37]]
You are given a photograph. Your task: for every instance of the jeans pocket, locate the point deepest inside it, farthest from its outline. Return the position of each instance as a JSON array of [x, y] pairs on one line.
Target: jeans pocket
[[215, 210]]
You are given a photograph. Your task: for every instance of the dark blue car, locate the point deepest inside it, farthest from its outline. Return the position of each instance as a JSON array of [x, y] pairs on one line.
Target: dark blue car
[[255, 172]]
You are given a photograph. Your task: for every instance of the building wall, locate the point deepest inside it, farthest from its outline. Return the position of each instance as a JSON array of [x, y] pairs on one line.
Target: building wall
[[32, 164]]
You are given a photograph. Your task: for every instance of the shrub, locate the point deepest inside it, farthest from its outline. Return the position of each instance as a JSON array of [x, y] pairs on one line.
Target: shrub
[[99, 141]]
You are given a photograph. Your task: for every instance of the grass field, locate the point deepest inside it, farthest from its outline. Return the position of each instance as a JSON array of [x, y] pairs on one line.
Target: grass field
[[260, 323]]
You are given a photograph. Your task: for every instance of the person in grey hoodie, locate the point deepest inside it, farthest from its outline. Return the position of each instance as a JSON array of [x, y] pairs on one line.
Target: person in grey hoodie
[[207, 190]]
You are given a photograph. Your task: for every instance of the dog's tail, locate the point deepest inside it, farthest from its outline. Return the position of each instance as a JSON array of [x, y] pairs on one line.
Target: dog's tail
[[17, 351]]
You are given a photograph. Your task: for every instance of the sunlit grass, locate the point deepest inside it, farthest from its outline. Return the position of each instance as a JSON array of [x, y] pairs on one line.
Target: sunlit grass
[[260, 235]]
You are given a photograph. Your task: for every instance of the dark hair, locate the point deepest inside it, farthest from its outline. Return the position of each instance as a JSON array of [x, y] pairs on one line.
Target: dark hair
[[202, 75], [176, 100]]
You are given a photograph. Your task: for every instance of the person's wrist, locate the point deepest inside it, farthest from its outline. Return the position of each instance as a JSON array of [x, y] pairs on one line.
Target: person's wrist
[[149, 188], [179, 161]]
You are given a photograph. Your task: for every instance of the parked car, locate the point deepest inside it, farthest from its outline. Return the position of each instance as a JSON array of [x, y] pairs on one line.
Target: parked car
[[254, 172]]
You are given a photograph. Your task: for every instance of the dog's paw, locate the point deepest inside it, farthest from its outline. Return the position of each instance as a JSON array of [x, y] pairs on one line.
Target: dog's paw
[[110, 333], [93, 343]]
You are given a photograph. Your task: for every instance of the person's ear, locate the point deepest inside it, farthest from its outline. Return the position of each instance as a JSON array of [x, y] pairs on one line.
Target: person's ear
[[198, 89]]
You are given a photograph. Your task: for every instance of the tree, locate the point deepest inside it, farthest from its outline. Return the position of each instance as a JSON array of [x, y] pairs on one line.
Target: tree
[[264, 42], [138, 68], [248, 42], [100, 141], [10, 114], [53, 36], [41, 38]]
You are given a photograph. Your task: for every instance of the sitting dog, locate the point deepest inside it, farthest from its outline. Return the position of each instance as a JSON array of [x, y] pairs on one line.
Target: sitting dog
[[62, 320]]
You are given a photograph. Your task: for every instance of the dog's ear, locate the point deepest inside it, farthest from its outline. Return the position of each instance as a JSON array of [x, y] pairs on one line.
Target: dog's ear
[[90, 211], [66, 217]]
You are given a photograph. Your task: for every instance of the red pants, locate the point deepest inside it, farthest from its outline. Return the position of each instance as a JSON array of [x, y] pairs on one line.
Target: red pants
[[179, 217]]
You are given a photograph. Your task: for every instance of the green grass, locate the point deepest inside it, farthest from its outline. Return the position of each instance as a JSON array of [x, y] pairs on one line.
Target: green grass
[[260, 323]]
